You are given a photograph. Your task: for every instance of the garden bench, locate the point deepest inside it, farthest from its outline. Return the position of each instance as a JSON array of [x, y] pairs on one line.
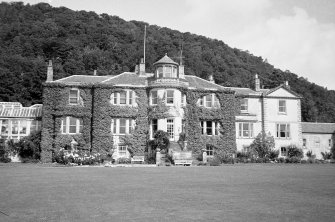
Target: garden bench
[[137, 159]]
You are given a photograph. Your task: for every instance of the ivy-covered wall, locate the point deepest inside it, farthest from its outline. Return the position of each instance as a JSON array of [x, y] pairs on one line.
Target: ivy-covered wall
[[225, 143], [97, 112]]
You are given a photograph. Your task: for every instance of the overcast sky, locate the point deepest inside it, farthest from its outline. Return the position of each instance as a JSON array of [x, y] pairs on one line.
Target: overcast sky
[[295, 35]]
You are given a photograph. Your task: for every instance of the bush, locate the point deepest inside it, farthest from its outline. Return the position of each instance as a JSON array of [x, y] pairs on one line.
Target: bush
[[124, 160], [273, 154], [326, 155], [309, 154], [303, 161], [294, 151], [293, 159], [5, 159], [215, 161], [281, 160], [263, 144], [151, 160], [29, 147]]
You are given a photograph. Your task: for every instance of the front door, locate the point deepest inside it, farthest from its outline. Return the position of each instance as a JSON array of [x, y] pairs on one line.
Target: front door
[[170, 128]]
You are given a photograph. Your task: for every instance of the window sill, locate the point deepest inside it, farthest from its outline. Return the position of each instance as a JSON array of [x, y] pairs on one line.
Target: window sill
[[280, 113]]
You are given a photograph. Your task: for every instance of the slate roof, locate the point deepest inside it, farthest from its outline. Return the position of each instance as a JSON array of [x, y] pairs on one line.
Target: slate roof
[[244, 91], [199, 83], [165, 60], [78, 79], [13, 110], [328, 128], [126, 78]]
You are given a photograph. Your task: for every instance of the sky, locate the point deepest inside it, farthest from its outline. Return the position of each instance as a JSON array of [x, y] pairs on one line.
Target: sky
[[295, 35]]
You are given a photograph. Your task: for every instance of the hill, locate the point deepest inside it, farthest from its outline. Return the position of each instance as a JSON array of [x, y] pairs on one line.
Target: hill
[[79, 42]]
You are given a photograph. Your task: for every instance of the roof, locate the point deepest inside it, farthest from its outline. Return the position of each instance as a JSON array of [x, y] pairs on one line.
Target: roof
[[16, 110], [199, 83], [166, 60], [244, 91], [328, 128], [127, 78], [76, 79], [284, 87]]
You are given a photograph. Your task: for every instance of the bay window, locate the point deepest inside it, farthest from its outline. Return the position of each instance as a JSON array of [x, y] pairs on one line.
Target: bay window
[[169, 97]]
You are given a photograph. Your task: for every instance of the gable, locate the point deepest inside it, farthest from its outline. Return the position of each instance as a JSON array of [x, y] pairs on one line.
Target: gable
[[282, 92]]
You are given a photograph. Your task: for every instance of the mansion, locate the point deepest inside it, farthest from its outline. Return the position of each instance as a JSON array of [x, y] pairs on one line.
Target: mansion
[[120, 114]]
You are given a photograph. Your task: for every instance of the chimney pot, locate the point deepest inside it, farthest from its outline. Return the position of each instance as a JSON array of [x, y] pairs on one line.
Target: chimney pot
[[95, 72]]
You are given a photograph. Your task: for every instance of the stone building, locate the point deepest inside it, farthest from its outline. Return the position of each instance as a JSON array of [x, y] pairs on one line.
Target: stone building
[[120, 114], [17, 121]]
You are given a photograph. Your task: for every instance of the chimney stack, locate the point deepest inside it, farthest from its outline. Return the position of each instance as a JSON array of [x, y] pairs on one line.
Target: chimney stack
[[287, 85], [95, 72], [257, 83], [211, 79], [50, 72], [142, 68]]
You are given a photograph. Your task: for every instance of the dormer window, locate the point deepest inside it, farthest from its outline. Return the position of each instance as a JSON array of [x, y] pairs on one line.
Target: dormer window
[[126, 97], [74, 97]]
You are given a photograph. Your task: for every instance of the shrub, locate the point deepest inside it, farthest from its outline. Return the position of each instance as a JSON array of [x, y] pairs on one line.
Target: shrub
[[5, 159], [152, 160], [303, 161], [293, 159], [124, 160], [280, 160], [215, 161], [326, 155], [263, 144], [273, 154], [29, 146], [200, 157], [309, 154], [169, 158], [294, 151]]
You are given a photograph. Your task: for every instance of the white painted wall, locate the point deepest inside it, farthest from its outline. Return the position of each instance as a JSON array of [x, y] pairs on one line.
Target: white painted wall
[[317, 143]]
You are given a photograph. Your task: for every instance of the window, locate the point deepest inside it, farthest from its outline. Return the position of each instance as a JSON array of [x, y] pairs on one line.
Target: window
[[168, 71], [304, 143], [74, 97], [71, 125], [4, 127], [169, 96], [154, 127], [170, 128], [23, 127], [209, 101], [122, 126], [209, 150], [244, 105], [183, 100], [122, 150], [154, 98], [15, 127], [245, 130], [283, 151], [283, 131], [282, 106], [160, 72], [126, 97], [330, 142], [210, 128]]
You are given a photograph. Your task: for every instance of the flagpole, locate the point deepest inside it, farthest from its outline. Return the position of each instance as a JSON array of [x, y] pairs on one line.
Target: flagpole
[[145, 33]]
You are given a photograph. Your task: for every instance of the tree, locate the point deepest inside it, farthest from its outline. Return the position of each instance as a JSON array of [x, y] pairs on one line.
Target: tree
[[160, 141], [263, 145]]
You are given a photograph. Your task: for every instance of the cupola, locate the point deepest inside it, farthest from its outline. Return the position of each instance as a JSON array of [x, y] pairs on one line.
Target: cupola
[[166, 68]]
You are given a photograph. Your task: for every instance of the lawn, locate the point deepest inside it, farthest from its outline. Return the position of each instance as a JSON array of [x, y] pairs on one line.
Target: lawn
[[250, 192]]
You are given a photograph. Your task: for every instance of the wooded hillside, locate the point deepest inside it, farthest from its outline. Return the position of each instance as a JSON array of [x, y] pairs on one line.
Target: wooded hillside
[[79, 42]]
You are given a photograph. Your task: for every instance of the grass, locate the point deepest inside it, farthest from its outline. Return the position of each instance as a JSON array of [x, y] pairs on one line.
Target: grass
[[246, 192]]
